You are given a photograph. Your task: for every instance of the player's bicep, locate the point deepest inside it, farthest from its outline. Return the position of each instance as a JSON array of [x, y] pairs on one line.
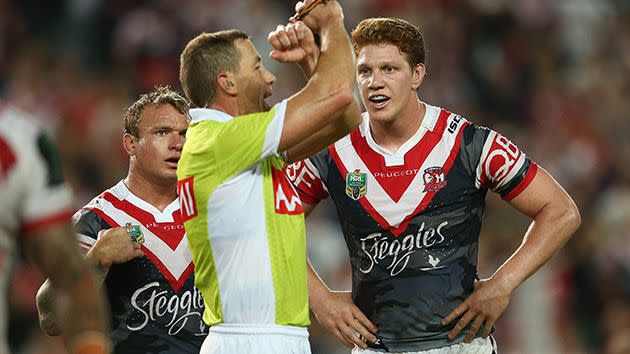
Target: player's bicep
[[541, 192], [55, 253]]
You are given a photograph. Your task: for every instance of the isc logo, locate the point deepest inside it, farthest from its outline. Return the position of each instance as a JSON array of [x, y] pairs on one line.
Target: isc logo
[[186, 195], [453, 126]]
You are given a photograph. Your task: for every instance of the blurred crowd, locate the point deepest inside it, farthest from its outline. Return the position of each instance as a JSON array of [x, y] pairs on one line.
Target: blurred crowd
[[551, 75]]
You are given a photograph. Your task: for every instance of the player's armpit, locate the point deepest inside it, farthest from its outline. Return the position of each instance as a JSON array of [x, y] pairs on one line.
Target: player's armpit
[[308, 208]]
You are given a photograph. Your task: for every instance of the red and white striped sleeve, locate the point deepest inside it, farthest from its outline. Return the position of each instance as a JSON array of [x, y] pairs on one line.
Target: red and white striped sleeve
[[306, 179], [503, 167]]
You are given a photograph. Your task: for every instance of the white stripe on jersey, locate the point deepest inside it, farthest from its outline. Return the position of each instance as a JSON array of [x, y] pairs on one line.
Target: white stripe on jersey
[[176, 261], [85, 241]]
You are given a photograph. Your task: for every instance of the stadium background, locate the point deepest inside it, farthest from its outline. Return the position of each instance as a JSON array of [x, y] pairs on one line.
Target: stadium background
[[552, 75]]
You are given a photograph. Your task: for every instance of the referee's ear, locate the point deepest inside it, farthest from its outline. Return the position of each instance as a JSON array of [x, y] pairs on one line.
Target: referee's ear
[[129, 143]]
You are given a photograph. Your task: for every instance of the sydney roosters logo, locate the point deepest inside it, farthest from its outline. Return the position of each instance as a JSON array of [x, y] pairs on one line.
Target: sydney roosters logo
[[434, 179]]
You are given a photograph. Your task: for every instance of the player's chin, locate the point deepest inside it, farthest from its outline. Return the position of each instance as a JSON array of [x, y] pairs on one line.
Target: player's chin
[[170, 173]]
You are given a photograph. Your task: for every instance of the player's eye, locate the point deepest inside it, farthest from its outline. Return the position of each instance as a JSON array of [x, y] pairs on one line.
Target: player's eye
[[389, 69], [364, 71], [161, 133]]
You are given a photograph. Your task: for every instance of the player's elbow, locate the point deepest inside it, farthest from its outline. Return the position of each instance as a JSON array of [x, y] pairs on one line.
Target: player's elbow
[[572, 217], [48, 325], [340, 99], [45, 311]]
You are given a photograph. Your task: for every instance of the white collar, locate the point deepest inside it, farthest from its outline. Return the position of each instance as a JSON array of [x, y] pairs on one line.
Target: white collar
[[200, 114]]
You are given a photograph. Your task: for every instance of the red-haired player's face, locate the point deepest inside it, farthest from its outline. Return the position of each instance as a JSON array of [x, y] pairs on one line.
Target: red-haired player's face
[[162, 131], [387, 83]]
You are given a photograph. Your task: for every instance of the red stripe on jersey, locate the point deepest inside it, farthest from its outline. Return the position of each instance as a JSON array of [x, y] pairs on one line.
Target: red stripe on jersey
[[85, 244], [529, 177], [414, 158], [45, 222], [428, 196], [142, 216], [364, 202], [446, 168], [7, 157], [172, 236]]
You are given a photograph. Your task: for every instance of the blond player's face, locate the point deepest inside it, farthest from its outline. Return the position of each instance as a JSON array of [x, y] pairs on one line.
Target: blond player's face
[[254, 81], [162, 131], [387, 83]]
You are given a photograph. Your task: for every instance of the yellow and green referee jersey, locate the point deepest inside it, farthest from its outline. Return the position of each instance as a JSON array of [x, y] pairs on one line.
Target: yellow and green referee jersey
[[243, 219]]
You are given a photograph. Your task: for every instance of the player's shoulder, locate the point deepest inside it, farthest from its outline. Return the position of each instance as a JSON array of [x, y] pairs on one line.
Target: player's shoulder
[[18, 127], [90, 218], [87, 222], [104, 200]]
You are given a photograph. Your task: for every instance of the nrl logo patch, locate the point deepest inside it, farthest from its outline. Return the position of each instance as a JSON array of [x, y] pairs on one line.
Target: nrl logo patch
[[434, 179], [356, 184]]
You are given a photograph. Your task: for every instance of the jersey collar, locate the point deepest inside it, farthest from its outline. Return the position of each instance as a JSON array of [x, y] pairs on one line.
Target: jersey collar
[[428, 123], [200, 114]]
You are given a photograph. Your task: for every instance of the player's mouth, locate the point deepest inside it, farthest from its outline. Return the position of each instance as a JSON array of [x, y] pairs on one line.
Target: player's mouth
[[266, 105], [172, 161], [378, 101]]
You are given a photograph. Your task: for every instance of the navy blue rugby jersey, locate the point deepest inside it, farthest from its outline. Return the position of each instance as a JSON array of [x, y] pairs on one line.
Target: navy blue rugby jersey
[[155, 307], [411, 219]]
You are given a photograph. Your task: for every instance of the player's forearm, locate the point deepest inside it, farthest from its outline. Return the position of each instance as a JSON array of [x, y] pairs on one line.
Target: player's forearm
[[101, 266], [330, 133], [335, 67], [80, 302], [309, 64], [548, 232], [70, 299], [317, 290], [86, 312]]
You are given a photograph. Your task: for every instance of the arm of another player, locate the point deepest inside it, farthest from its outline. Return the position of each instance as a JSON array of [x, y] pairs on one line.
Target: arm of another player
[[336, 311], [295, 43], [329, 91], [555, 218], [84, 320], [113, 246]]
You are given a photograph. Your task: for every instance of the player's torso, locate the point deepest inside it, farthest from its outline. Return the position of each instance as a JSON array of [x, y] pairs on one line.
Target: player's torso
[[411, 224], [252, 244], [155, 306]]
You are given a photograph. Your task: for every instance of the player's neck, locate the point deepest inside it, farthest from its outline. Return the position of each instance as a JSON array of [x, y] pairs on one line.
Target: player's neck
[[227, 105], [160, 195], [392, 135]]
